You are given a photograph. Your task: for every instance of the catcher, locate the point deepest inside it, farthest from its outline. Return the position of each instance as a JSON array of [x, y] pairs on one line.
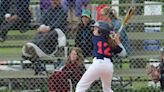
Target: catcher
[[161, 70], [157, 73]]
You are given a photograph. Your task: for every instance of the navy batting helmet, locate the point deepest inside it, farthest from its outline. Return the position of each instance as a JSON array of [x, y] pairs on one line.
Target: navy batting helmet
[[103, 26]]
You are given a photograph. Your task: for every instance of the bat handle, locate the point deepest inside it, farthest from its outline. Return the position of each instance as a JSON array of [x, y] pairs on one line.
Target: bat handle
[[111, 35], [120, 29]]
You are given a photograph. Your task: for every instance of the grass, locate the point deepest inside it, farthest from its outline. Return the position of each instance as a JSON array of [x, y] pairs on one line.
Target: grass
[[34, 0], [125, 65], [100, 1], [10, 53], [7, 51], [14, 52], [19, 42], [15, 32], [139, 85]]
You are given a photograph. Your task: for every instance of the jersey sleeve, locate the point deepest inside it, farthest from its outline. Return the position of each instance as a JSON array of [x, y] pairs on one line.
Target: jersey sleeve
[[119, 50]]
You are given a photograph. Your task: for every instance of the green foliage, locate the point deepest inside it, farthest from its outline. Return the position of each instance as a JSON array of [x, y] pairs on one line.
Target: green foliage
[[149, 89], [125, 90], [143, 89], [4, 89], [100, 1]]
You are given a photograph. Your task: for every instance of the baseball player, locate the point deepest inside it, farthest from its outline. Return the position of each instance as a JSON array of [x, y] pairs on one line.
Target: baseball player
[[102, 66], [109, 15]]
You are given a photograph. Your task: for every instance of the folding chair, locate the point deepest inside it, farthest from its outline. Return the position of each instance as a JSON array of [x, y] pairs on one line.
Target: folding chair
[[40, 54]]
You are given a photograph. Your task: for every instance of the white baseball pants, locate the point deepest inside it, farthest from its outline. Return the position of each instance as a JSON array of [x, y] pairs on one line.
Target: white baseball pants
[[100, 68]]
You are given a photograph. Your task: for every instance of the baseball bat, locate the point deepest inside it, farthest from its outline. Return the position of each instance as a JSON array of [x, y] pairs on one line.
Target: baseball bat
[[127, 18]]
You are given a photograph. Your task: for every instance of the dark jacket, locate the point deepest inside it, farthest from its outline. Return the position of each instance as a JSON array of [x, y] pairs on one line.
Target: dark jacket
[[21, 9], [55, 17], [46, 41], [4, 8], [161, 68], [83, 38], [44, 5]]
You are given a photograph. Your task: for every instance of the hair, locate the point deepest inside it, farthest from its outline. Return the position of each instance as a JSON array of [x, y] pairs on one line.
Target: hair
[[111, 42], [80, 57], [108, 11], [103, 32]]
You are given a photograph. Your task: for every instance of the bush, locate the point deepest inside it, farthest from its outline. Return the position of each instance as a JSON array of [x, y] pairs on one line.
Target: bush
[[4, 89], [125, 90], [149, 89], [143, 89]]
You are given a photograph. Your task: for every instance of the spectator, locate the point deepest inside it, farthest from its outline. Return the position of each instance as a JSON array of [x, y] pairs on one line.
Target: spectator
[[109, 15], [44, 5], [76, 4], [73, 69], [4, 8], [45, 43], [20, 18], [84, 33], [55, 16]]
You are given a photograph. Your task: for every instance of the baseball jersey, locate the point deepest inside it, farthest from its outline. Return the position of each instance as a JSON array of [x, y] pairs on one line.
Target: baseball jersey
[[101, 48]]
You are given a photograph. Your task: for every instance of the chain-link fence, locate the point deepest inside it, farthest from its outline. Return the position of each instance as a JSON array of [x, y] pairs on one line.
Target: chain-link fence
[[37, 40]]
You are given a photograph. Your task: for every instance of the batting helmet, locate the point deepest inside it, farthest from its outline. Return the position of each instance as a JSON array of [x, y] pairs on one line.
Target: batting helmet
[[103, 26]]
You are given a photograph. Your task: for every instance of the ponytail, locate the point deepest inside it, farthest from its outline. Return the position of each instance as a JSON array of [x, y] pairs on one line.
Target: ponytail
[[111, 13], [111, 42]]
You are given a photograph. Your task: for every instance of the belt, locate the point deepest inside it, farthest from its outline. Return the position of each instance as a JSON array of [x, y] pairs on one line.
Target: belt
[[102, 58]]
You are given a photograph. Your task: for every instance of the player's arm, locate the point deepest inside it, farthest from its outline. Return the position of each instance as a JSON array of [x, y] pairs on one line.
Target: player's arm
[[119, 49], [123, 52]]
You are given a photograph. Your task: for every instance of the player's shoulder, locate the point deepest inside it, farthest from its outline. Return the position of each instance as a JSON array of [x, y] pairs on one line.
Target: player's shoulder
[[98, 38], [116, 21]]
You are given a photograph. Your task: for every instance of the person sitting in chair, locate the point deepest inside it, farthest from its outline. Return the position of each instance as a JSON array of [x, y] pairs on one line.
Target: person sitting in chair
[[20, 18], [44, 45], [73, 69]]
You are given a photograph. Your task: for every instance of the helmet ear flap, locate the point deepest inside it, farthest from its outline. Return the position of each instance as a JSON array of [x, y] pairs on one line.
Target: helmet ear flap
[[99, 31]]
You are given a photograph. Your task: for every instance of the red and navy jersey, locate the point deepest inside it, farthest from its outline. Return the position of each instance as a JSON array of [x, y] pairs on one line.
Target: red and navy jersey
[[102, 49]]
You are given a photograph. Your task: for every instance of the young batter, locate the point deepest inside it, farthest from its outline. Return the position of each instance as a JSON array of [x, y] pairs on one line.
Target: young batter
[[102, 66]]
